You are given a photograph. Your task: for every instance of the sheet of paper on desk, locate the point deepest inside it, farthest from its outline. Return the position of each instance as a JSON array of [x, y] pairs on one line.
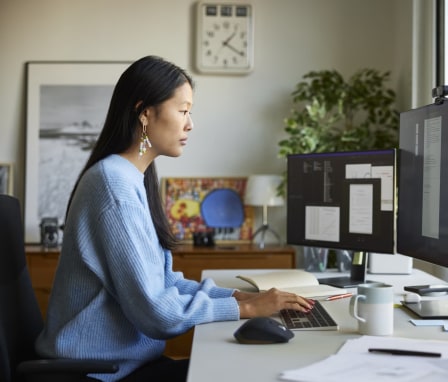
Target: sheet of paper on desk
[[371, 368], [354, 363], [362, 344]]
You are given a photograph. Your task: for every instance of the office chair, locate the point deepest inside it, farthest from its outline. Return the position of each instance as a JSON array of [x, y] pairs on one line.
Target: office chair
[[20, 318]]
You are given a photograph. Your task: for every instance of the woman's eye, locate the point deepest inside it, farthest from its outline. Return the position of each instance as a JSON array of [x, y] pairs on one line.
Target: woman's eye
[[185, 112]]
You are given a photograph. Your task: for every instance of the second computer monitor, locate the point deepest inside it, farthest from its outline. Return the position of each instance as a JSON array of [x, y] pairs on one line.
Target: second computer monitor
[[423, 186], [342, 200]]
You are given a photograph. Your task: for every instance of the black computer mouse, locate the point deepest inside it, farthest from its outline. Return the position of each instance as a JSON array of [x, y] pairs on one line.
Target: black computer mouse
[[262, 330]]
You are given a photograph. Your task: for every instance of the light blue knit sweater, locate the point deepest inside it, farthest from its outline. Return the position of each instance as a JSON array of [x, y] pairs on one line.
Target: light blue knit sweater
[[115, 296]]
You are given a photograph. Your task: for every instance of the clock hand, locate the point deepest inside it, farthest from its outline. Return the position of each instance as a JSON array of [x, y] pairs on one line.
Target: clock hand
[[241, 53], [225, 42]]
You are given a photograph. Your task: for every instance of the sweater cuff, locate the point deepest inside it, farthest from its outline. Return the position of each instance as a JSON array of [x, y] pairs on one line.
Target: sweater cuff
[[226, 309], [218, 292]]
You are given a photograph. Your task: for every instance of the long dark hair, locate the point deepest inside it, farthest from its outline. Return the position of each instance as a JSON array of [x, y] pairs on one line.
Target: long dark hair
[[147, 82]]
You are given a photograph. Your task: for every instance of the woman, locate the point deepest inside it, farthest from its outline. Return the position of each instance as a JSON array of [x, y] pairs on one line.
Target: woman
[[115, 295]]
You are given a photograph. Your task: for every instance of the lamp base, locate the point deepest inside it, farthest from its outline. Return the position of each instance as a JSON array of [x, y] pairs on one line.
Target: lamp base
[[263, 229]]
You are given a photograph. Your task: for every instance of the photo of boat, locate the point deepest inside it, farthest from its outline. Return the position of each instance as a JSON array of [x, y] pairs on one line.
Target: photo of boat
[[71, 118]]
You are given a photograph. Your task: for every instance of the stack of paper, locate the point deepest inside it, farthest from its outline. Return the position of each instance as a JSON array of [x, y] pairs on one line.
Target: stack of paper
[[354, 363]]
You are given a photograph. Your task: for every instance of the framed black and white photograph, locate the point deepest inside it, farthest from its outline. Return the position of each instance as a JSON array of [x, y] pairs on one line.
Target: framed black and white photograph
[[6, 179], [67, 104]]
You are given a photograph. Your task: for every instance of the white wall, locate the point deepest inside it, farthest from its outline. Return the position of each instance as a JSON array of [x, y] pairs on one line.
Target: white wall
[[238, 120]]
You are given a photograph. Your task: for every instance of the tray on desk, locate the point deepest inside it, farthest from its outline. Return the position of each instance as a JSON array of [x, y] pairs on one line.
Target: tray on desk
[[429, 309]]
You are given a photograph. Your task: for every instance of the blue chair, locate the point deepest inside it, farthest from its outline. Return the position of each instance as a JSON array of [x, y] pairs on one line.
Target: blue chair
[[222, 208], [223, 211]]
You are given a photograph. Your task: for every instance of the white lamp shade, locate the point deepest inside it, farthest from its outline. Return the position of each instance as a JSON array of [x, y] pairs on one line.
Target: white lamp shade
[[261, 190]]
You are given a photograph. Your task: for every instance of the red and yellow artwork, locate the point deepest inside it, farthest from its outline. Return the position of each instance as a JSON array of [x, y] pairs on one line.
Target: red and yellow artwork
[[182, 200]]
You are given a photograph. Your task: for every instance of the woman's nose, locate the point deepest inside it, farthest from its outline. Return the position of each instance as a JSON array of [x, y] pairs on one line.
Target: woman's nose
[[190, 123]]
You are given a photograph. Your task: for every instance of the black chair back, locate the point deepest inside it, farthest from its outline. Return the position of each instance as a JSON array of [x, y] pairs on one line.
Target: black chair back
[[20, 317]]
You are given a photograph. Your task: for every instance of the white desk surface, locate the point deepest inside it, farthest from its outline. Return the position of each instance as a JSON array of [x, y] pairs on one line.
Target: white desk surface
[[217, 356]]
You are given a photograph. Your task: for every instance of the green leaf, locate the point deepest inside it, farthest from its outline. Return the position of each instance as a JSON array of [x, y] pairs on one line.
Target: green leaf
[[334, 114]]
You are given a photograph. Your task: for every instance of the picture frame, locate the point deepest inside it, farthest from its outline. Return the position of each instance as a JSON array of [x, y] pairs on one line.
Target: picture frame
[[6, 179], [183, 197], [66, 105]]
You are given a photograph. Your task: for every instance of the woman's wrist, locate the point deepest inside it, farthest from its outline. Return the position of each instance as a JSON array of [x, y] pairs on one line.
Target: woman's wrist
[[245, 309], [237, 294], [240, 296]]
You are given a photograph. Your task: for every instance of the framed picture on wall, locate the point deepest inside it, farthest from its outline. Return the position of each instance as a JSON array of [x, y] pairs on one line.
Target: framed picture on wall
[[200, 204], [66, 106], [6, 179]]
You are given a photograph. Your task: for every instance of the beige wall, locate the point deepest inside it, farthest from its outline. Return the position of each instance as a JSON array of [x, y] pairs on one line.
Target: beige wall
[[238, 120]]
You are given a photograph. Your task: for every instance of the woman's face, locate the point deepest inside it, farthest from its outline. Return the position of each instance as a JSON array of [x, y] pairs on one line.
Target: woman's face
[[170, 123]]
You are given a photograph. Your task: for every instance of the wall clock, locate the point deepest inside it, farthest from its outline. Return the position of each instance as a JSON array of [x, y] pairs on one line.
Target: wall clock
[[224, 38]]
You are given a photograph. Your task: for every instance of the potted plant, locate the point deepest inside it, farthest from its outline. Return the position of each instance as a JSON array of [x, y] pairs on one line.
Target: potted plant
[[334, 114]]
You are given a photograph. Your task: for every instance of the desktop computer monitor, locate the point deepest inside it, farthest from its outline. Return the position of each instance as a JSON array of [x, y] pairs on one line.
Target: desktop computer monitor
[[343, 200], [422, 224], [422, 219]]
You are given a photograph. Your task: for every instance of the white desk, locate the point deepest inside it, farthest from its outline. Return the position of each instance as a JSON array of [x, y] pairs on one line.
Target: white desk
[[217, 356]]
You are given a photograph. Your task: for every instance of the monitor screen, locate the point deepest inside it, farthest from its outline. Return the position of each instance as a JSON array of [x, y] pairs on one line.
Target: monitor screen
[[422, 224], [342, 200]]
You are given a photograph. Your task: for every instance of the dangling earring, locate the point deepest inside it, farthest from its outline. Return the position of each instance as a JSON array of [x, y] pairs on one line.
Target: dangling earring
[[144, 142]]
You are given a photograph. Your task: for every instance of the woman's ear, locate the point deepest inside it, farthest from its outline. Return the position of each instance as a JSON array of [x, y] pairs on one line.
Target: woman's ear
[[144, 116]]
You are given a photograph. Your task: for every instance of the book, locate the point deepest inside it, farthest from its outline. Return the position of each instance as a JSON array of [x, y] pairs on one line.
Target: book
[[296, 281]]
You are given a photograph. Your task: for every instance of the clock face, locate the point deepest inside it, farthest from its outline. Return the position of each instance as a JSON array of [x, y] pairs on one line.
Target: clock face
[[224, 38]]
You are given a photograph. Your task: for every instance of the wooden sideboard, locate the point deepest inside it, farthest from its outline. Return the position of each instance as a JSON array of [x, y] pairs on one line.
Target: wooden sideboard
[[189, 259]]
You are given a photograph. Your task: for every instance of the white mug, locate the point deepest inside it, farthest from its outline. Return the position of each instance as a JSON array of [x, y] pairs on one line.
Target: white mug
[[373, 307]]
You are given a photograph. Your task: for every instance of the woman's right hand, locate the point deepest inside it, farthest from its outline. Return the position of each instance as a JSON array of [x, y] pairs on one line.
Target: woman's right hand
[[270, 302]]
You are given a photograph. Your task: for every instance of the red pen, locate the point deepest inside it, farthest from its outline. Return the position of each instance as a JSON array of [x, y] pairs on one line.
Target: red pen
[[338, 296]]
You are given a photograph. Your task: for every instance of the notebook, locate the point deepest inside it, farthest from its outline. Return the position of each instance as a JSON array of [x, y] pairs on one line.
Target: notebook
[[295, 281]]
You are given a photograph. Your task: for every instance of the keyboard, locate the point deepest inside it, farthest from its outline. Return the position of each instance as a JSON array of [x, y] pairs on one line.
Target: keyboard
[[316, 319]]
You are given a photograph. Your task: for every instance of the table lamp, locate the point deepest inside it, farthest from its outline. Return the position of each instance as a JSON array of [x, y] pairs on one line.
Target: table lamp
[[261, 191]]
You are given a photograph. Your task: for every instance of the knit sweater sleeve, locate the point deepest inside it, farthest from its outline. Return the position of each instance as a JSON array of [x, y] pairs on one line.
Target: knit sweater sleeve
[[137, 272], [192, 286]]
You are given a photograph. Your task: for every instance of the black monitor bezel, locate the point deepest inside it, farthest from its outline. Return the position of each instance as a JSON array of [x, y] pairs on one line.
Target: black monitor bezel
[[388, 245], [410, 185]]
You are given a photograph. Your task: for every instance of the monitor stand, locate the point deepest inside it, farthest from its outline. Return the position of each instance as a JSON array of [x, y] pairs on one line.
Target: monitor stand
[[357, 273]]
